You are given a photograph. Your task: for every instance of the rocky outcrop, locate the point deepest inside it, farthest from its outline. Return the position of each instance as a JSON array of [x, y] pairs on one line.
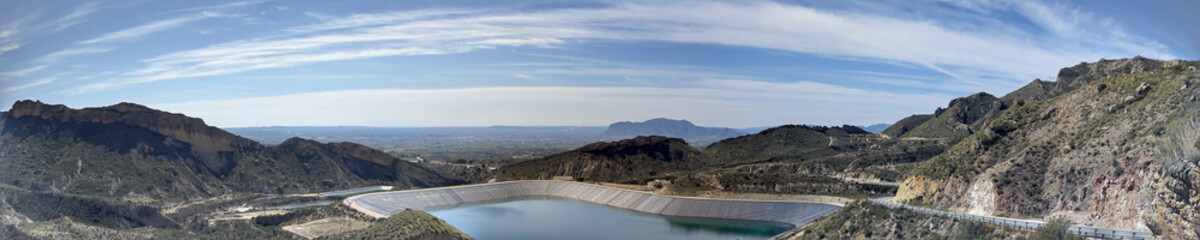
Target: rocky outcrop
[[960, 118], [1070, 78], [1173, 190]]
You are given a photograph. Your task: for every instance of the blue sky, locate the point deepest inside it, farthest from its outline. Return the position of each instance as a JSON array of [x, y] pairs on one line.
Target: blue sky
[[482, 63]]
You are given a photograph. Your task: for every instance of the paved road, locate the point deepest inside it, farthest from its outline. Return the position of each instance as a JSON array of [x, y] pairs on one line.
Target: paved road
[[1024, 224]]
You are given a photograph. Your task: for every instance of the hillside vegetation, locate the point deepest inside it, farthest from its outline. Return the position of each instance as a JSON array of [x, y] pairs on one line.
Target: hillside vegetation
[[865, 220], [409, 224], [1115, 148]]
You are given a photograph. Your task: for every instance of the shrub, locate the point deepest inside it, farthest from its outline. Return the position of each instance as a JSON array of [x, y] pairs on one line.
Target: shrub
[[1055, 230]]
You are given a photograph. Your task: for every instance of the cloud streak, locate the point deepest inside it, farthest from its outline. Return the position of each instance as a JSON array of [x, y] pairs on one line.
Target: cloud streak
[[55, 57], [14, 34], [153, 27], [39, 82]]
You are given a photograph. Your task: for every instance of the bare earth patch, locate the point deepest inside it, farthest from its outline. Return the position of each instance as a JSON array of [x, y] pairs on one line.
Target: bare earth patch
[[326, 227]]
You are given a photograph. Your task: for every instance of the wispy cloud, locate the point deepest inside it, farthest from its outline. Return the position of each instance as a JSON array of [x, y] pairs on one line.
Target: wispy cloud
[[15, 33], [522, 76], [39, 82], [153, 27], [58, 56], [24, 72], [11, 33], [8, 47], [217, 7], [960, 54], [77, 16]]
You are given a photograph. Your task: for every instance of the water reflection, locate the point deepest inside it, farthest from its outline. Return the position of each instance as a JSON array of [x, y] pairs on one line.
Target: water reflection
[[493, 211], [568, 219], [751, 228]]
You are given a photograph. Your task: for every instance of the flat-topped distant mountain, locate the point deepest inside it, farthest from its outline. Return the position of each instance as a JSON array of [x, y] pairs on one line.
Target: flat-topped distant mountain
[[670, 128]]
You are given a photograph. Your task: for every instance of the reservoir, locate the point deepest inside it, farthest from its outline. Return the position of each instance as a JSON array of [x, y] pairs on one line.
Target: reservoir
[[555, 218]]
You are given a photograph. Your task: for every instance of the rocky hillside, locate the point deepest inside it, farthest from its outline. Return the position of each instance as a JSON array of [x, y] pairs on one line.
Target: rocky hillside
[[140, 155], [961, 118], [811, 160], [670, 128], [780, 143], [1073, 77], [864, 220], [618, 161], [906, 124], [1111, 144]]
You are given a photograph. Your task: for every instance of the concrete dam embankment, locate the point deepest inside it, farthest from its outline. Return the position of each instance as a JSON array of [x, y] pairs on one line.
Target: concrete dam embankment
[[384, 204]]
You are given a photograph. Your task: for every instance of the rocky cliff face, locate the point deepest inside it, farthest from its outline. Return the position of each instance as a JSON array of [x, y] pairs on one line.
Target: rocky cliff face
[[1111, 152], [1173, 191]]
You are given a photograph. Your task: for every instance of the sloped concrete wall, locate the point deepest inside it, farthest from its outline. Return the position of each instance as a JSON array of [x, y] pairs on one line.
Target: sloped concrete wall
[[384, 204]]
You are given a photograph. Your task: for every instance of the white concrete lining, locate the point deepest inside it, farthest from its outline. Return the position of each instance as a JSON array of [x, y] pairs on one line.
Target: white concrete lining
[[797, 213]]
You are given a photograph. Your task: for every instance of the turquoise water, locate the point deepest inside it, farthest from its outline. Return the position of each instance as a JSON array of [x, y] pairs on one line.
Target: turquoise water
[[534, 219]]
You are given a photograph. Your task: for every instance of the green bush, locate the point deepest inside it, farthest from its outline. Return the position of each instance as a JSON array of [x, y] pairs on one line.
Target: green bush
[[1055, 230]]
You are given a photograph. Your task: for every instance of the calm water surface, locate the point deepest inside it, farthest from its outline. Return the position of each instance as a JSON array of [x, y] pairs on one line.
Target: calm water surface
[[534, 219]]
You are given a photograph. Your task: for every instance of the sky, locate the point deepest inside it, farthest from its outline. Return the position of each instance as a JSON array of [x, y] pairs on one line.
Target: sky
[[563, 63]]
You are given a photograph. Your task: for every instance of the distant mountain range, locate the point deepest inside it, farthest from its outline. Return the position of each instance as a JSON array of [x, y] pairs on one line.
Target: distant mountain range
[[876, 128]]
